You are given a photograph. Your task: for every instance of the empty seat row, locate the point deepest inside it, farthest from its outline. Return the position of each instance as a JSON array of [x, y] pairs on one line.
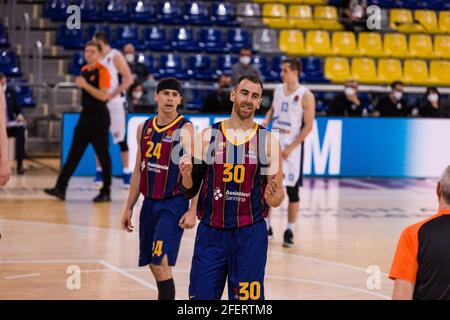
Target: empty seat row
[[156, 38], [369, 44], [146, 11], [301, 16], [366, 70], [403, 20], [23, 91]]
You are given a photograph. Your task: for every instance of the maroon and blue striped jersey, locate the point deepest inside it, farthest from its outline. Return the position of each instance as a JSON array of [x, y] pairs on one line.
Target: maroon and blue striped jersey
[[232, 194], [160, 176]]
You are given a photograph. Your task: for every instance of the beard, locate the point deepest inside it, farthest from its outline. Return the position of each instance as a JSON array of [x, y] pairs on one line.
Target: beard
[[244, 113]]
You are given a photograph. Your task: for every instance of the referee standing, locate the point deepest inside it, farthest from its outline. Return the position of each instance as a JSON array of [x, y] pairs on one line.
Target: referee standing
[[93, 126]]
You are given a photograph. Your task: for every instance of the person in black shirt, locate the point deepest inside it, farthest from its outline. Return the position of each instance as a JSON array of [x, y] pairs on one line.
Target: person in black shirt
[[354, 15], [138, 70], [348, 102], [219, 100], [394, 103], [93, 126], [430, 106]]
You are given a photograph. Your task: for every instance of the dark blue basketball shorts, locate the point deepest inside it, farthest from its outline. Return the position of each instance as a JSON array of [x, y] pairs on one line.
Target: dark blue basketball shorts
[[159, 233]]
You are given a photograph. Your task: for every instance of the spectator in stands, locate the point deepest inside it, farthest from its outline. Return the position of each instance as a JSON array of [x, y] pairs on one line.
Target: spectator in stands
[[348, 102], [354, 15], [393, 104], [244, 67], [15, 126], [219, 100], [138, 69], [4, 161], [430, 106], [136, 98]]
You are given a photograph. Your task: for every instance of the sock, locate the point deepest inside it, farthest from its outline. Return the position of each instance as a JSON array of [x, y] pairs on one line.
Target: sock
[[99, 169], [291, 226], [166, 290], [126, 170]]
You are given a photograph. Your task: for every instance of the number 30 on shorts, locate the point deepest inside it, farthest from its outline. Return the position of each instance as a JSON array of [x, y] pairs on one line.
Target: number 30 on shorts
[[249, 290]]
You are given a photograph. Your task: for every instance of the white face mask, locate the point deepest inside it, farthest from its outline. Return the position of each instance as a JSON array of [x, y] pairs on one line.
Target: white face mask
[[398, 95], [137, 94], [245, 60], [349, 91], [433, 97], [130, 57]]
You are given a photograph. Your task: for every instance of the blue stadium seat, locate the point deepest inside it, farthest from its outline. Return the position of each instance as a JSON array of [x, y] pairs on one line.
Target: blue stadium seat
[[223, 13], [170, 65], [237, 39], [415, 4], [142, 11], [313, 70], [155, 39], [97, 28], [148, 60], [194, 99], [9, 64], [225, 64], [183, 40], [77, 63], [169, 12], [115, 11], [125, 35], [199, 67], [56, 9], [211, 41], [23, 92], [262, 64], [196, 12], [3, 37], [90, 10], [70, 39]]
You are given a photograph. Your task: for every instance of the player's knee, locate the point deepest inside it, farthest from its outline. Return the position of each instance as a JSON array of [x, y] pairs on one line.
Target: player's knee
[[123, 146], [293, 194]]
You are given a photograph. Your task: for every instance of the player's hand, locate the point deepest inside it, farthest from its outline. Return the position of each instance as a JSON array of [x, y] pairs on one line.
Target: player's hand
[[188, 220], [80, 82], [286, 152], [271, 189], [125, 221], [186, 170], [4, 172], [265, 123]]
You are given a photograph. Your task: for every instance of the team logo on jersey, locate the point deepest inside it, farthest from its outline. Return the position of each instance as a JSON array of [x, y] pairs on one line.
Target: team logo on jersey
[[142, 165], [296, 99], [148, 132], [168, 136], [217, 194], [251, 151], [220, 148]]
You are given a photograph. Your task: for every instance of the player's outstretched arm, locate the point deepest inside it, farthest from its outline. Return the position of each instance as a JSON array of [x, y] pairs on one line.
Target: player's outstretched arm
[[133, 194]]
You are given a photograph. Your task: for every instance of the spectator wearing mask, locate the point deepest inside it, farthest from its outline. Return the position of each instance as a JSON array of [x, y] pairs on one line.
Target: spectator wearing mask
[[430, 105], [219, 100], [394, 103], [136, 97], [138, 70], [348, 102], [244, 67], [354, 15]]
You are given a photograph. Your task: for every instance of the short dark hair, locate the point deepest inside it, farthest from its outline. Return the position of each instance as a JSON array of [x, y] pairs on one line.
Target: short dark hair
[[92, 44], [294, 64], [253, 79], [102, 36], [169, 83], [2, 76], [396, 83], [432, 89]]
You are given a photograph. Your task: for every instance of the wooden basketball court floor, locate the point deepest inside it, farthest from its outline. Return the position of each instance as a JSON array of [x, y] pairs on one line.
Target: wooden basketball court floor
[[344, 241]]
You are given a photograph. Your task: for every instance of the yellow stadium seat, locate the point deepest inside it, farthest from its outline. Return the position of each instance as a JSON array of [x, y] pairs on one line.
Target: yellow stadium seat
[[344, 43], [395, 45], [337, 69], [370, 44], [444, 21], [442, 46], [301, 17], [318, 43], [291, 42], [327, 18], [275, 16], [440, 72], [389, 70], [402, 20], [416, 72], [428, 20], [420, 46], [364, 70]]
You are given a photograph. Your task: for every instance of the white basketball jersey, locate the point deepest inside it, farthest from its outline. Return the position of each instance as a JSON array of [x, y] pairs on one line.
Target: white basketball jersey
[[108, 61]]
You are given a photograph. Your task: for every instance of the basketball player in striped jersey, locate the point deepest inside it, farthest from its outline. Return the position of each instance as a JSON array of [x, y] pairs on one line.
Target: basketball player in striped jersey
[[292, 114], [165, 211], [121, 80], [236, 164]]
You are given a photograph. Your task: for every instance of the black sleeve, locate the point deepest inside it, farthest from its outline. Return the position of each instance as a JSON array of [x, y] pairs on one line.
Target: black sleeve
[[198, 173]]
